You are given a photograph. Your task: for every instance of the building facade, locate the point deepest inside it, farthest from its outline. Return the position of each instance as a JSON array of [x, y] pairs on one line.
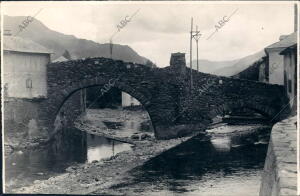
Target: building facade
[[275, 61], [290, 73], [128, 100], [24, 83], [24, 68]]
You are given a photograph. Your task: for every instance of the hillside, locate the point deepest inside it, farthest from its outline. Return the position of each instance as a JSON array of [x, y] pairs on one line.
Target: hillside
[[59, 42], [240, 65], [207, 66]]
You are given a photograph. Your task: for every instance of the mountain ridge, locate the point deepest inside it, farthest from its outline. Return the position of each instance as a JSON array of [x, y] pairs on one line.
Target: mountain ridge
[[59, 42]]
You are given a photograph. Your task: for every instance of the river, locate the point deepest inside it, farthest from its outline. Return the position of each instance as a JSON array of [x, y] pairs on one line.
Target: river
[[22, 168], [199, 167], [229, 163]]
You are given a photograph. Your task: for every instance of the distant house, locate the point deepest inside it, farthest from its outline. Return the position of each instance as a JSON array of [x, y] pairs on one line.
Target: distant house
[[24, 68], [290, 73], [275, 67], [128, 100]]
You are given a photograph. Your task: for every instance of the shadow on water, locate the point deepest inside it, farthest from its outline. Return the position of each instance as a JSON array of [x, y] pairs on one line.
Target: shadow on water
[[200, 167]]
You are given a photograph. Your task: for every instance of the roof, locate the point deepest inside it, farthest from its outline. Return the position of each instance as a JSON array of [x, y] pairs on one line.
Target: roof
[[18, 44], [292, 47], [287, 41]]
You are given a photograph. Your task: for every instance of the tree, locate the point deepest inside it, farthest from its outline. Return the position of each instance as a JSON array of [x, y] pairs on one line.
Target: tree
[[67, 55], [150, 64]]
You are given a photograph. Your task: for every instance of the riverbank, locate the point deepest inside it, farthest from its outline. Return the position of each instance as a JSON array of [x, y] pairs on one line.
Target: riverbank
[[99, 176], [89, 177], [119, 124]]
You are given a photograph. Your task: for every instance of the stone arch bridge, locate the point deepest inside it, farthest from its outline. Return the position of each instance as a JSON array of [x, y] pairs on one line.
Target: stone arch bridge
[[165, 93]]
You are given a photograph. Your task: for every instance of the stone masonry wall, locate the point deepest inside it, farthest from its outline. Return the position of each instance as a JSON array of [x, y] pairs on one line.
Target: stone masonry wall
[[280, 172], [164, 93], [21, 121]]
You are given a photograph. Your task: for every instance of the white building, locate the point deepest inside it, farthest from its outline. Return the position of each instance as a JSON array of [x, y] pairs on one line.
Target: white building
[[275, 61], [290, 73], [128, 100], [24, 68]]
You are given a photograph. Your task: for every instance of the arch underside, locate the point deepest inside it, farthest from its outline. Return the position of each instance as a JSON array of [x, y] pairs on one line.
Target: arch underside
[[62, 96], [266, 111]]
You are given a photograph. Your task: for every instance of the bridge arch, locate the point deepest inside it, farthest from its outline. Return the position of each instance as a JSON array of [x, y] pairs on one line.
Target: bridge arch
[[60, 97], [265, 110]]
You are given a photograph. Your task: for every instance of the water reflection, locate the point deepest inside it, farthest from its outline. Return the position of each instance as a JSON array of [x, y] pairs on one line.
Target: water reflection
[[221, 143], [201, 167], [107, 149], [67, 148]]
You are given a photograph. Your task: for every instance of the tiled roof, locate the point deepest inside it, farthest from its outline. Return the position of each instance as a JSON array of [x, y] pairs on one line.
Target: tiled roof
[[18, 44], [286, 42]]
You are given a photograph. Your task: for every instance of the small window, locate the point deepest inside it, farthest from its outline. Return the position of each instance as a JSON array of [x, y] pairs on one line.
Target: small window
[[290, 59], [28, 83]]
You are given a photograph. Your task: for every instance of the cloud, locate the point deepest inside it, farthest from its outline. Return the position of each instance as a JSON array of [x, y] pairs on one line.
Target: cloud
[[160, 28]]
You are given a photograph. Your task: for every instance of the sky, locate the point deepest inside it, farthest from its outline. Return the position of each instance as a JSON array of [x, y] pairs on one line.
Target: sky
[[160, 28]]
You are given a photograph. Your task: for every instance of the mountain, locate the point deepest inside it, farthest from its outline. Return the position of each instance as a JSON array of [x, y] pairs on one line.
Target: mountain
[[207, 66], [59, 42], [240, 65]]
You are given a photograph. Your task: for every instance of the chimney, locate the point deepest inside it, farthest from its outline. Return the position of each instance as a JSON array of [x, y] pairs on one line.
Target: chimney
[[177, 62], [282, 37], [295, 18], [177, 59], [7, 32]]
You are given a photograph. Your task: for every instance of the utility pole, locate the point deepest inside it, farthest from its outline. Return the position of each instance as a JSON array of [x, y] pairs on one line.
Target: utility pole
[[110, 47], [191, 66], [196, 36], [197, 51], [295, 18]]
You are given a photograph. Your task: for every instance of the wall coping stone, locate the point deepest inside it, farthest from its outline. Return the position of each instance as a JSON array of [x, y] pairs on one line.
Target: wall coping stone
[[285, 132]]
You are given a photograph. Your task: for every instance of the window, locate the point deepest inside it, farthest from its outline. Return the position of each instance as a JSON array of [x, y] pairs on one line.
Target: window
[[285, 79], [28, 83], [290, 86], [290, 59]]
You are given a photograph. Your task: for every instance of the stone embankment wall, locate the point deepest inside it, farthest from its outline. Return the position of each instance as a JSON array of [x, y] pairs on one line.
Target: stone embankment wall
[[20, 122], [23, 122], [280, 172]]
